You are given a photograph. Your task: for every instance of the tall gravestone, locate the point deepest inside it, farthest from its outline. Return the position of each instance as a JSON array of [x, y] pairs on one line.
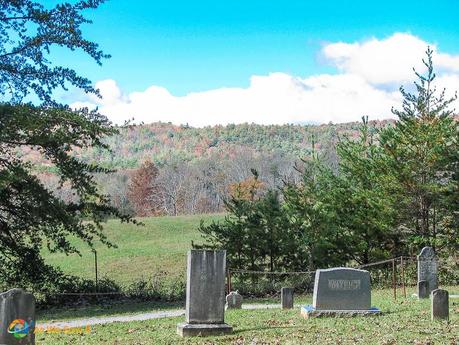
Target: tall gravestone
[[17, 318], [428, 269], [341, 292], [205, 294]]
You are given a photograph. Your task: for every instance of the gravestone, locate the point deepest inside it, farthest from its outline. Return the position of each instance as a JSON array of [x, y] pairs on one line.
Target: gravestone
[[341, 292], [287, 298], [205, 294], [440, 304], [428, 268], [17, 318], [233, 300], [423, 289]]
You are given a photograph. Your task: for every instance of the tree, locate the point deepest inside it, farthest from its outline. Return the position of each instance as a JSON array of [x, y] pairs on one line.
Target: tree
[[256, 234], [421, 162], [28, 31], [363, 208], [31, 216], [143, 188], [310, 208]]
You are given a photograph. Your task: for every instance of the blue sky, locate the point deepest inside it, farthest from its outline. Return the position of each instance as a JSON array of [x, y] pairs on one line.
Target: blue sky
[[194, 46]]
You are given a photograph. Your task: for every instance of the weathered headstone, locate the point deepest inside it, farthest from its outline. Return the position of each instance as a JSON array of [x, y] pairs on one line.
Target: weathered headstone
[[17, 318], [234, 300], [205, 294], [423, 289], [440, 304], [341, 292], [428, 268], [287, 298]]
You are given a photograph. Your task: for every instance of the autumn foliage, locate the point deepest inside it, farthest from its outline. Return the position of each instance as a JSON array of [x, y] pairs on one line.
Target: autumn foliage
[[142, 189]]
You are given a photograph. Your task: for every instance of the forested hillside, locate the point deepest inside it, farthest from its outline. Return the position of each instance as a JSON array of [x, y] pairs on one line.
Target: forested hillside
[[163, 142], [186, 170]]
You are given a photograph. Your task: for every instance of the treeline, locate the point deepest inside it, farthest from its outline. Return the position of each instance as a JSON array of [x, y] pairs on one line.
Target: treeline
[[182, 187], [395, 190], [163, 142]]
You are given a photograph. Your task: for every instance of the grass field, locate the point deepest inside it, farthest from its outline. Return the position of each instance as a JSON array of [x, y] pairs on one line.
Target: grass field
[[143, 251], [406, 321]]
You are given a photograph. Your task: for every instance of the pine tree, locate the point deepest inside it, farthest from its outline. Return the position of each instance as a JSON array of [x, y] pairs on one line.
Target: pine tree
[[421, 162]]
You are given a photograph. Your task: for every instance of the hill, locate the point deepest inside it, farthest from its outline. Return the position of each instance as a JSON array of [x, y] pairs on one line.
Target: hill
[[165, 142], [159, 247]]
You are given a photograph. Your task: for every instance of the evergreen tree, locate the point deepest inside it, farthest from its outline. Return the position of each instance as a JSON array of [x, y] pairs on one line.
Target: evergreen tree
[[363, 208], [421, 162], [256, 235]]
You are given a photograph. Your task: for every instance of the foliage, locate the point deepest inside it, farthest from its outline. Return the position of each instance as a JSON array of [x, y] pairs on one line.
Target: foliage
[[255, 235], [393, 191], [246, 189], [32, 216], [28, 33], [142, 188], [420, 165]]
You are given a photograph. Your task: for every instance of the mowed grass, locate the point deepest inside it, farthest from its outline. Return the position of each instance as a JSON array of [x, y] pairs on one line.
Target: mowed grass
[[405, 321], [142, 251]]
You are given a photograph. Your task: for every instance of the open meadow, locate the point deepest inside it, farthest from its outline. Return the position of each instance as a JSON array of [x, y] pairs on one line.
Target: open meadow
[[160, 246]]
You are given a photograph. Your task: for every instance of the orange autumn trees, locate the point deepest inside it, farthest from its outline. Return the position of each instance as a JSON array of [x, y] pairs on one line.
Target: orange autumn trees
[[142, 188]]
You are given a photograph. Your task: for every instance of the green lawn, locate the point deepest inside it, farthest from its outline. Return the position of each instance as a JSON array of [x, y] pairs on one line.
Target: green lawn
[[143, 251], [406, 321]]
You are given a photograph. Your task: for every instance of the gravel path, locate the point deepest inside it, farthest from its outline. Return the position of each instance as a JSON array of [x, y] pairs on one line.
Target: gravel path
[[138, 317]]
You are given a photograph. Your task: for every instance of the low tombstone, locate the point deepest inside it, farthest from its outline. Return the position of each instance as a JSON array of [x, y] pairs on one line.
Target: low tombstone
[[287, 298], [428, 268], [423, 289], [341, 292], [17, 318], [440, 305], [234, 300], [205, 294]]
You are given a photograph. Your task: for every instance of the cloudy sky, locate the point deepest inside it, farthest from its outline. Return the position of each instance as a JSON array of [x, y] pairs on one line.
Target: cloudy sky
[[275, 62]]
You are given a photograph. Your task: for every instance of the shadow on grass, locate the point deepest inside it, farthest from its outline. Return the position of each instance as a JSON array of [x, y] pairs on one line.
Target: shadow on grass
[[113, 308]]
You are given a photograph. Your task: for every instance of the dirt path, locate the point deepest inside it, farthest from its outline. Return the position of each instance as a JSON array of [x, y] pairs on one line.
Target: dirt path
[[137, 317]]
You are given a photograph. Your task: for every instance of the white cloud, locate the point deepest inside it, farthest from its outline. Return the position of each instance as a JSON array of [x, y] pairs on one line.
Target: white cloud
[[389, 60], [367, 81]]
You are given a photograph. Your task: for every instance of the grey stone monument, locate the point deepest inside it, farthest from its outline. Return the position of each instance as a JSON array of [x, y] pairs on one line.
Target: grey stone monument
[[341, 292], [205, 294], [234, 300], [428, 268], [287, 298], [17, 318], [423, 289], [440, 304]]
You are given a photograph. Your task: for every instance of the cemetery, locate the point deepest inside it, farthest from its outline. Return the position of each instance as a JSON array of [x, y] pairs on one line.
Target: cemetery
[[240, 173], [342, 299]]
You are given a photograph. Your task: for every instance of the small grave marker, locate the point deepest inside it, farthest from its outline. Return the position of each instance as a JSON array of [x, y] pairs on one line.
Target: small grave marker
[[17, 318], [423, 289], [440, 304], [287, 298], [234, 300]]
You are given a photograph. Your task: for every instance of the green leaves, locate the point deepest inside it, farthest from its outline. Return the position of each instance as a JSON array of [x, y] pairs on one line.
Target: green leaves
[[30, 215]]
